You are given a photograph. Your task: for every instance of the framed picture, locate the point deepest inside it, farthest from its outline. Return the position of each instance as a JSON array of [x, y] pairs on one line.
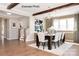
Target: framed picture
[[38, 26], [13, 25]]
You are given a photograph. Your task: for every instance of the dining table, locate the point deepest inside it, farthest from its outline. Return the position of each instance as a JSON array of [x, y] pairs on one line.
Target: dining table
[[49, 37]]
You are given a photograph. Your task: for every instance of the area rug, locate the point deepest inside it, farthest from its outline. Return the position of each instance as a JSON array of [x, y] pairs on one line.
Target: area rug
[[58, 51]]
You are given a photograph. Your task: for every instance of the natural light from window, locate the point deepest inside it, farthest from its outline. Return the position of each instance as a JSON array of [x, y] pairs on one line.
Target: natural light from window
[[66, 24]]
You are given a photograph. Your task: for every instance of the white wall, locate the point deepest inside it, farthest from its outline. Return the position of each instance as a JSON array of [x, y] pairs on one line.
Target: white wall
[[30, 31], [0, 27], [13, 31], [24, 21], [5, 27]]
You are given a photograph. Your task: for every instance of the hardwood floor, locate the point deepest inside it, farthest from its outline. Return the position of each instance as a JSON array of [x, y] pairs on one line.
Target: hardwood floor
[[16, 48]]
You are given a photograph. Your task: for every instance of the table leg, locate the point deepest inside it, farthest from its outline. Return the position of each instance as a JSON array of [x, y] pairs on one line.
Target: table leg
[[50, 43]]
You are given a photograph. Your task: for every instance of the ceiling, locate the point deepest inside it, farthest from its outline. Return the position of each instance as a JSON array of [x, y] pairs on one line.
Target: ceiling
[[39, 6], [65, 11], [8, 14], [23, 9], [27, 9]]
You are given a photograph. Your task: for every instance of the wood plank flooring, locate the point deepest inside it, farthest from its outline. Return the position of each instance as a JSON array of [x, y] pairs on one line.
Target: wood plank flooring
[[16, 48]]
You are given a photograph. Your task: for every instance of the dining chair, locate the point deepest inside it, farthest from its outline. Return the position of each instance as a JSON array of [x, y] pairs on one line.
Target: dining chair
[[57, 39], [37, 40], [63, 38], [42, 40]]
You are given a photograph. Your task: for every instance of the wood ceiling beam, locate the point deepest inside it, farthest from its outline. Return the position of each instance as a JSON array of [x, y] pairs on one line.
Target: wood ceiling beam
[[12, 5], [56, 8]]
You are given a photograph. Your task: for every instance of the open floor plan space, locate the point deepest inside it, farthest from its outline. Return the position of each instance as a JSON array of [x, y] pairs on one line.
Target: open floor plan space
[[16, 48], [39, 29]]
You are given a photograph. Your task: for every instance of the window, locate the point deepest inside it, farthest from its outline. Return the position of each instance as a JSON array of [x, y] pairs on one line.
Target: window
[[56, 24], [64, 24], [70, 24]]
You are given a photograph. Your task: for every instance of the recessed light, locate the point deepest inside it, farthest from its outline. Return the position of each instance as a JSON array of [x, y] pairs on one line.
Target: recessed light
[[8, 13]]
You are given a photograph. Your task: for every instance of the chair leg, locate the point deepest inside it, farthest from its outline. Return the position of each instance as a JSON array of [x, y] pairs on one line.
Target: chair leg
[[55, 45], [38, 45], [61, 42], [58, 43], [43, 45]]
